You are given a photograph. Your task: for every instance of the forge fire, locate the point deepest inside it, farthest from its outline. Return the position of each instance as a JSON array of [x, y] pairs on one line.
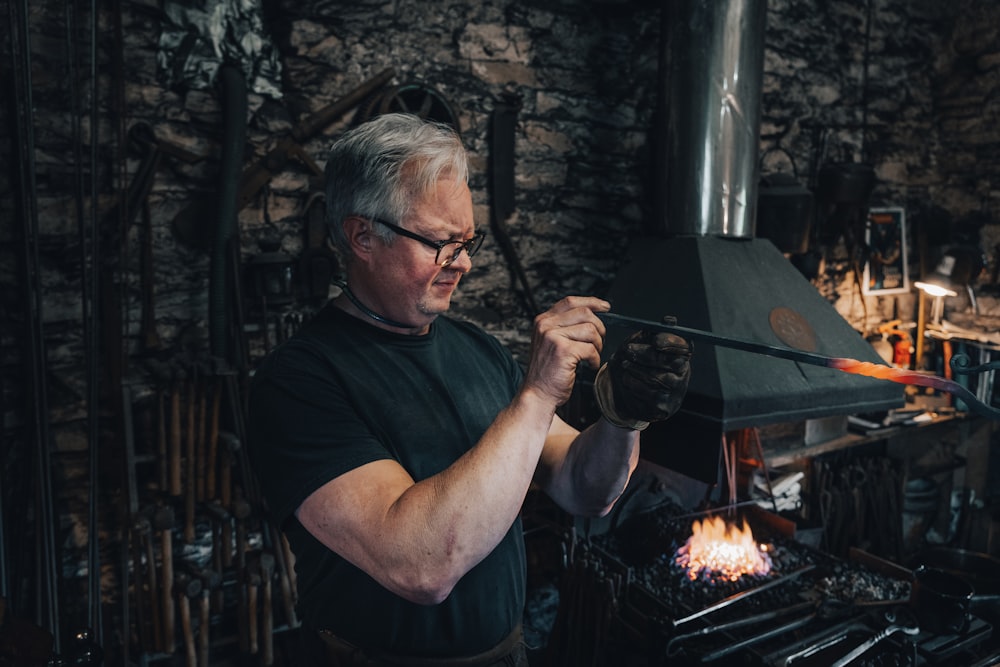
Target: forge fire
[[721, 550]]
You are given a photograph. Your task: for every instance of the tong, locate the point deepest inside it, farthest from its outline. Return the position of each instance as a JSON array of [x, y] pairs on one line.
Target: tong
[[861, 648]]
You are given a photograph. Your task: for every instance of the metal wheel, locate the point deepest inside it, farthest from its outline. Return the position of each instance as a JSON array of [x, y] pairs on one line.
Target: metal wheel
[[415, 98]]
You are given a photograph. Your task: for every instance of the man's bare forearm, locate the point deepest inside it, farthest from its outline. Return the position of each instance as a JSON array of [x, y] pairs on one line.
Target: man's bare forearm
[[595, 470]]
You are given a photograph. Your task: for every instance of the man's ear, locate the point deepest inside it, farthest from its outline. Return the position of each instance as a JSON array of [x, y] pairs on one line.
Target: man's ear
[[360, 236]]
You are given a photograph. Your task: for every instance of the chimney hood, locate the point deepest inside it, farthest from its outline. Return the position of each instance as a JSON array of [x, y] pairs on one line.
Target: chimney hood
[[703, 264]]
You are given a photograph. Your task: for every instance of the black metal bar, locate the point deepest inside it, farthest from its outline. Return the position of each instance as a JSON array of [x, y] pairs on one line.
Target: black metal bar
[[847, 365], [742, 595], [90, 277], [36, 393], [717, 339], [756, 639]]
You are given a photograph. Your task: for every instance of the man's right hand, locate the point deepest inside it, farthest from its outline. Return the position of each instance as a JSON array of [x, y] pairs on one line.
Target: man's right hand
[[564, 336]]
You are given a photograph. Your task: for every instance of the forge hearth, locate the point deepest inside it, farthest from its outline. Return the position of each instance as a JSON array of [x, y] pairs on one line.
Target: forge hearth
[[810, 603], [648, 544]]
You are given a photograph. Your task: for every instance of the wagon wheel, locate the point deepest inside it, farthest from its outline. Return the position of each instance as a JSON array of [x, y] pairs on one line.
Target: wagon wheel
[[415, 98]]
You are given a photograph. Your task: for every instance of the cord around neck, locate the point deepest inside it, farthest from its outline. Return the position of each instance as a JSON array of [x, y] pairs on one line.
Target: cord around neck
[[368, 311]]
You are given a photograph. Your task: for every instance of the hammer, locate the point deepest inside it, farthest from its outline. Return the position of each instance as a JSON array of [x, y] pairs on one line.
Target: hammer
[[285, 575], [140, 532], [200, 469], [189, 477], [211, 581], [143, 529], [175, 434], [241, 510], [186, 588], [161, 442], [221, 548], [163, 521], [251, 580], [213, 440], [266, 563], [230, 444]]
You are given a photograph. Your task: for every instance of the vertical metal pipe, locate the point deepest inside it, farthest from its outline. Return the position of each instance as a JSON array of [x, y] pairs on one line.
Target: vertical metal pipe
[[91, 305], [714, 62], [234, 105], [36, 394]]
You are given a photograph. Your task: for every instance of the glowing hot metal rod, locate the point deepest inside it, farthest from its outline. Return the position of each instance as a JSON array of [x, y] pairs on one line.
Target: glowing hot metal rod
[[847, 365]]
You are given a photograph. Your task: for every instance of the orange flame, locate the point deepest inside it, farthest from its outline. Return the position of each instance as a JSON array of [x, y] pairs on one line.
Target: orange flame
[[723, 550]]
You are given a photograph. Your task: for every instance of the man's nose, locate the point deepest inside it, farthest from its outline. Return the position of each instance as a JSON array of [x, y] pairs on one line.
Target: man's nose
[[463, 262]]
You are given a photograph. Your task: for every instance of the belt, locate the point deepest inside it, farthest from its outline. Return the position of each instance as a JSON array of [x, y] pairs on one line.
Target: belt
[[340, 653]]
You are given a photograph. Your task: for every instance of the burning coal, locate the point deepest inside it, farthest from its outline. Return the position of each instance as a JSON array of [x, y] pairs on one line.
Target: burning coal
[[720, 550]]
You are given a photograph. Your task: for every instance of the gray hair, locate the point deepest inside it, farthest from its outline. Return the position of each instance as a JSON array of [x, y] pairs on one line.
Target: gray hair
[[382, 166]]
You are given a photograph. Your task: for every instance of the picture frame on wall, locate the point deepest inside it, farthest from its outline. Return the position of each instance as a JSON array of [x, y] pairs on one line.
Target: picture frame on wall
[[886, 267]]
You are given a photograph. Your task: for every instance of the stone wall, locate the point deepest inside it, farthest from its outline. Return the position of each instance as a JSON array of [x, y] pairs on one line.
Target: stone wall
[[910, 86]]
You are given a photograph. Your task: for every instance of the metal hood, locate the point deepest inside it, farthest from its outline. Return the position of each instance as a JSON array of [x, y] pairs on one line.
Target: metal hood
[[703, 264]]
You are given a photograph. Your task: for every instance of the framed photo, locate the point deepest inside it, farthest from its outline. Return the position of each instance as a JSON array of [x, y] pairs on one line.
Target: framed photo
[[886, 267]]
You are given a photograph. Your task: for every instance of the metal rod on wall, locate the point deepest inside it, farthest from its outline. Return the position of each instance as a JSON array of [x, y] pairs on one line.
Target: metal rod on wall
[[36, 395]]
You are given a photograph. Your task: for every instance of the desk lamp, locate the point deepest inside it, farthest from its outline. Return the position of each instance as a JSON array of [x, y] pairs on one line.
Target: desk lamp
[[958, 268]]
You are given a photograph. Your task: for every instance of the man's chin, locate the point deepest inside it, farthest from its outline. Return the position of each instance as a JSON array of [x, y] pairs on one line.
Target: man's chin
[[431, 308]]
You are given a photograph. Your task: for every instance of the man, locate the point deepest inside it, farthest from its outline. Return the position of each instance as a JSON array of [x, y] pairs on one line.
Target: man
[[395, 445]]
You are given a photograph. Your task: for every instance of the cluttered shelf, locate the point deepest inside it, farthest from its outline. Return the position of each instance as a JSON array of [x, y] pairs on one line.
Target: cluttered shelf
[[861, 430]]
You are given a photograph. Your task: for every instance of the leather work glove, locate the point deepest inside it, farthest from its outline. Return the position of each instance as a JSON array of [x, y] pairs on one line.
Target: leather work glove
[[645, 380]]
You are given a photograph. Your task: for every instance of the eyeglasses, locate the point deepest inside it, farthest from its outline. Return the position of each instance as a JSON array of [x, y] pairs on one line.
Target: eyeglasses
[[447, 251]]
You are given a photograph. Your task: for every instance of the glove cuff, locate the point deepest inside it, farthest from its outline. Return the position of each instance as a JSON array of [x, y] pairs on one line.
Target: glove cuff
[[604, 393]]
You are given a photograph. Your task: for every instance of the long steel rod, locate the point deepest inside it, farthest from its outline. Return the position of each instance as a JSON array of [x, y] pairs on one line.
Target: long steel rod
[[845, 364], [742, 595], [90, 276], [47, 574]]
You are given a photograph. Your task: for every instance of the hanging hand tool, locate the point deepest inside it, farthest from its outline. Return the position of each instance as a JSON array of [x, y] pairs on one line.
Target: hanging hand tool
[[185, 590], [284, 572], [266, 564], [242, 586], [143, 527], [137, 197], [189, 460], [175, 433], [162, 465], [138, 534], [213, 440], [288, 563], [221, 549], [200, 441], [209, 581], [204, 626], [230, 444], [163, 522], [251, 582], [503, 125], [865, 368], [241, 513]]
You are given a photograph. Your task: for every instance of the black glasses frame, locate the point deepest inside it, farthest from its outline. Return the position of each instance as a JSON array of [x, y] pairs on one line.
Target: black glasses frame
[[470, 246]]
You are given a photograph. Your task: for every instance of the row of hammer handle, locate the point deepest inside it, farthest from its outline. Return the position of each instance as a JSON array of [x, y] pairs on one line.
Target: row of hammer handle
[[195, 457], [195, 466], [167, 594]]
